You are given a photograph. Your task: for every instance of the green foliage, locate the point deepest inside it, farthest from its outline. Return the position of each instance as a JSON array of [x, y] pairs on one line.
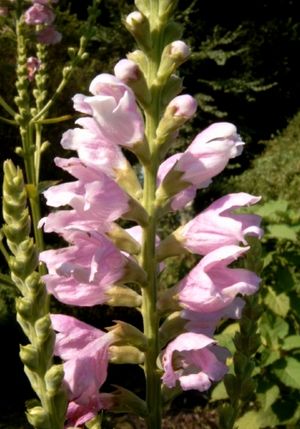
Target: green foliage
[[277, 362], [275, 175]]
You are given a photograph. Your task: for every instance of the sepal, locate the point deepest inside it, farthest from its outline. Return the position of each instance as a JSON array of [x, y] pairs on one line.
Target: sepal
[[125, 334], [122, 240], [122, 296], [125, 401], [125, 354]]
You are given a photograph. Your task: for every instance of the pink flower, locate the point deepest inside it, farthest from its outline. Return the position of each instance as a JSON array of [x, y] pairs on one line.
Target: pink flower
[[92, 148], [96, 199], [181, 199], [114, 108], [49, 36], [39, 14], [217, 226], [194, 361], [211, 285], [209, 153], [83, 273], [205, 323], [206, 157], [84, 350], [33, 65]]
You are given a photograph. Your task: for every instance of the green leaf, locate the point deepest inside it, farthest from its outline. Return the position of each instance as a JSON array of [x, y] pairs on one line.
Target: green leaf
[[268, 397], [279, 304], [283, 232], [291, 342], [219, 392], [258, 419], [271, 207], [288, 371]]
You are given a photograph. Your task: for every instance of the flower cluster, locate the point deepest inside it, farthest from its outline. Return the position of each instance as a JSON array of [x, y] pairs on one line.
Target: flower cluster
[[102, 260], [41, 15]]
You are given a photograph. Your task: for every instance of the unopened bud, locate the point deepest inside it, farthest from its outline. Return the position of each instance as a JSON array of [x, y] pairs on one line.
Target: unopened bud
[[54, 378], [43, 328], [38, 417], [29, 356], [129, 72], [179, 110], [125, 354], [179, 51], [137, 24], [173, 56]]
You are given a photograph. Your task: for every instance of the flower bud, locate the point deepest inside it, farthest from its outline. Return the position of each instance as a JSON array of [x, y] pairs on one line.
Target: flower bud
[[179, 110], [54, 378], [125, 354], [129, 72], [38, 417], [173, 56], [29, 356], [123, 296], [43, 328], [137, 24]]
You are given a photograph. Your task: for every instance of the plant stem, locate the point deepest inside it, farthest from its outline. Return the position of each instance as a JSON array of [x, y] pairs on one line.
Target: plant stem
[[149, 308]]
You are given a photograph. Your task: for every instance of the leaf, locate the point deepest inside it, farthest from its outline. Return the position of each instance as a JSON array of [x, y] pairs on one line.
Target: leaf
[[291, 342], [279, 304], [258, 419], [271, 207], [219, 392], [225, 338], [273, 327], [288, 371], [268, 397], [283, 232]]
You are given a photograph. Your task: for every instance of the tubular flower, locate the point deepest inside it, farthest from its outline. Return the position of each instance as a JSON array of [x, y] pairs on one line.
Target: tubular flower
[[92, 148], [206, 157], [182, 198], [49, 36], [206, 323], [84, 351], [83, 273], [211, 285], [216, 226], [194, 361], [95, 198], [39, 14], [115, 111]]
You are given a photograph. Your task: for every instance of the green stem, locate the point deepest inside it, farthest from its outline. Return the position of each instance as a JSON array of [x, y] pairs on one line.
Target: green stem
[[8, 121], [149, 311], [7, 107], [149, 308]]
